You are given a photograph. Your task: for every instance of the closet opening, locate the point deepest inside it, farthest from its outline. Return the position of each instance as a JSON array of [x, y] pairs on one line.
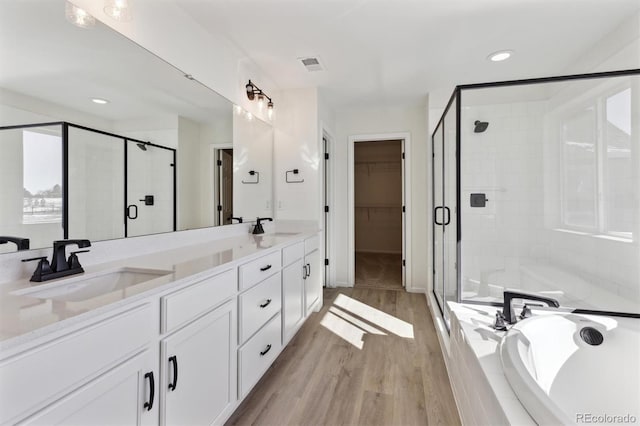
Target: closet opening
[[378, 214], [223, 185]]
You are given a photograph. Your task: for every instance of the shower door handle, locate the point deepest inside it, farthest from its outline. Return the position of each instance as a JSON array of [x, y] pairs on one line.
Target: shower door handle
[[448, 221], [435, 215], [135, 216]]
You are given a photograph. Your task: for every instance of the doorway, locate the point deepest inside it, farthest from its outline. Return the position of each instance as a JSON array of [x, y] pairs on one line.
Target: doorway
[[223, 185], [378, 214]]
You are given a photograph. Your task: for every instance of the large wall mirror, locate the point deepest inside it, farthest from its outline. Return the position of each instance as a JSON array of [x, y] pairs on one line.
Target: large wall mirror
[[101, 139]]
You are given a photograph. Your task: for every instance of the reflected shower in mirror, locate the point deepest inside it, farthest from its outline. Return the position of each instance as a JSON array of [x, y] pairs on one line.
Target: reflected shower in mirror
[[131, 145]]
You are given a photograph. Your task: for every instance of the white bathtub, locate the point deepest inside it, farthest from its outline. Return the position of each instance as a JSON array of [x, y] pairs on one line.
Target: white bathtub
[[562, 380]]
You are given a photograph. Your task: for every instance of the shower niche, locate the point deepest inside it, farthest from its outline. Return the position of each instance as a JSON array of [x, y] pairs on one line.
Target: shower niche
[[536, 188]]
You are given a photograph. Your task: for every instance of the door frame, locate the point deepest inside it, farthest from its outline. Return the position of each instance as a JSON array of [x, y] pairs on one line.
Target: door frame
[[405, 138], [214, 177], [327, 193]]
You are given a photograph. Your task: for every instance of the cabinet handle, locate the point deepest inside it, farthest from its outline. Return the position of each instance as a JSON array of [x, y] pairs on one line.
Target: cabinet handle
[[267, 349], [304, 272], [152, 390], [265, 268], [265, 304], [309, 270], [174, 360]]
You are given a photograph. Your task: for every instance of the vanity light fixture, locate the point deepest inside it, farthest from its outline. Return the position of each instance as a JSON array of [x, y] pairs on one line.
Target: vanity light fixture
[[99, 101], [253, 91], [78, 17], [120, 10], [499, 56]]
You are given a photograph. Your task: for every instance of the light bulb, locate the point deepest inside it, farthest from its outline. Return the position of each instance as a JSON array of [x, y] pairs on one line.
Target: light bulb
[[120, 10], [260, 102], [78, 17], [270, 110]]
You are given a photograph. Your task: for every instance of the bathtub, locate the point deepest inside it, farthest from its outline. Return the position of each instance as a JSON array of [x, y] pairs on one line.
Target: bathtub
[[560, 379]]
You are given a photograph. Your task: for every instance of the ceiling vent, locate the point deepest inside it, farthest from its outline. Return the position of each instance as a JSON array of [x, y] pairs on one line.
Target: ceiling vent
[[311, 64]]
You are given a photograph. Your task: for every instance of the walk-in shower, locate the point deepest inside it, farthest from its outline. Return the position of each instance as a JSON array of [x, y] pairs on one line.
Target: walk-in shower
[[547, 200]]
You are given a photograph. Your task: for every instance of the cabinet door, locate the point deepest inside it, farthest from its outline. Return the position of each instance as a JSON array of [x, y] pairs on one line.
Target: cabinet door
[[200, 369], [115, 398], [292, 299], [313, 282]]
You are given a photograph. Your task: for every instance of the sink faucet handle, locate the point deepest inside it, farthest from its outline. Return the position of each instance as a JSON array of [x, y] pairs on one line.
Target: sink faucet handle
[[526, 310], [73, 261], [43, 268], [499, 323]]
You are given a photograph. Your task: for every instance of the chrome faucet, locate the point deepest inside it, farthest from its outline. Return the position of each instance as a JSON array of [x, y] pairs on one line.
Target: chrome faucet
[[60, 266], [508, 313], [258, 229]]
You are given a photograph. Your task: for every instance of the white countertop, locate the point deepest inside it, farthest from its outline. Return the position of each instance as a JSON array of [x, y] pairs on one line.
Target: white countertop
[[24, 318]]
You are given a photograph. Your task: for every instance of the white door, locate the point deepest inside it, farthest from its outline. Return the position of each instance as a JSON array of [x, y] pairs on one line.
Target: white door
[[313, 280], [199, 369], [123, 396], [150, 190], [292, 299]]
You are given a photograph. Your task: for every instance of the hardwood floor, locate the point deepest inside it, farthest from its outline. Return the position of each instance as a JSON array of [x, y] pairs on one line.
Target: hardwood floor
[[379, 270], [322, 378]]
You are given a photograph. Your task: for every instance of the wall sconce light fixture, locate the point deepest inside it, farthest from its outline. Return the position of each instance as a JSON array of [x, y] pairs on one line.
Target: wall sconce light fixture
[[120, 10], [79, 17], [254, 91]]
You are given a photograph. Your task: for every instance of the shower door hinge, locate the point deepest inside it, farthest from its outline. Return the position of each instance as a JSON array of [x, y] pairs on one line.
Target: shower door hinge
[[326, 155], [326, 262], [219, 162]]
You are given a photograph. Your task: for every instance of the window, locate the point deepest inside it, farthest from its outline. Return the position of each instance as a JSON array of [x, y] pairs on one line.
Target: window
[[597, 166], [42, 177]]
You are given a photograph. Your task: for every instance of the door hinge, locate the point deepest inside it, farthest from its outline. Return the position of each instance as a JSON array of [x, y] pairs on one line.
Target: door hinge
[[326, 262], [326, 209], [326, 155], [404, 262], [219, 162], [404, 209], [219, 208], [403, 155]]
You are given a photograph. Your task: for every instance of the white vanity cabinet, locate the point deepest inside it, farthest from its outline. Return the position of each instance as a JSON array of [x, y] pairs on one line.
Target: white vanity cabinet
[[293, 307], [106, 364], [198, 360], [313, 273]]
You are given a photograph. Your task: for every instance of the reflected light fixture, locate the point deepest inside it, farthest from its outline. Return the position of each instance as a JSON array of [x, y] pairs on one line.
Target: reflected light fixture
[[78, 17], [120, 10], [499, 56], [99, 101], [253, 91]]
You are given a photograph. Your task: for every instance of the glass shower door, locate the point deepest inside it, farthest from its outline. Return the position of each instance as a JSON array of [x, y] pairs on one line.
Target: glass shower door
[[438, 214], [150, 189]]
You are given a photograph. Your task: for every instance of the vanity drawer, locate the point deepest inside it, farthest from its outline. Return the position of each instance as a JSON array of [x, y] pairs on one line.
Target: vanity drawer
[[311, 244], [33, 379], [292, 253], [255, 271], [258, 305], [186, 304], [258, 354]]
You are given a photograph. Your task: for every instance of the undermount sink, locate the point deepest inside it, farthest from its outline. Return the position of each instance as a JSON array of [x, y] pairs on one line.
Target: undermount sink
[[284, 234], [84, 287]]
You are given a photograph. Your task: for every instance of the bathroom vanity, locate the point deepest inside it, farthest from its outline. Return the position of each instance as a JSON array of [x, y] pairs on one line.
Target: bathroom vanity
[[179, 336]]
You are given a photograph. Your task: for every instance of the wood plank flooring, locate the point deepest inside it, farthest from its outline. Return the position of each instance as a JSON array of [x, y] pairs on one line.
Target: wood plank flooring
[[322, 379]]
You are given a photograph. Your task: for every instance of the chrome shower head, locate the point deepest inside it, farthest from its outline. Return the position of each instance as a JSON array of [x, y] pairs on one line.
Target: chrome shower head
[[480, 126]]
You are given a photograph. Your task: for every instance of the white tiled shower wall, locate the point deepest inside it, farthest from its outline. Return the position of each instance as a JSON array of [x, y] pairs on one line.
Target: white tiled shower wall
[[515, 241]]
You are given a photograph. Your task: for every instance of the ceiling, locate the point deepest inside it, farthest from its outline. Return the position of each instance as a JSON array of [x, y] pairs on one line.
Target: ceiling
[[397, 51], [65, 65]]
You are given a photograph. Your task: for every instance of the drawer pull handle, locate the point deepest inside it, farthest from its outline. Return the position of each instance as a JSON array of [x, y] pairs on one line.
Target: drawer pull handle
[[174, 360], [267, 349], [152, 390], [265, 268], [265, 304]]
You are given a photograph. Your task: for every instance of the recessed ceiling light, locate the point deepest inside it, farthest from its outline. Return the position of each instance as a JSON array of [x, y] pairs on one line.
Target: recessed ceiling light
[[501, 55], [99, 101]]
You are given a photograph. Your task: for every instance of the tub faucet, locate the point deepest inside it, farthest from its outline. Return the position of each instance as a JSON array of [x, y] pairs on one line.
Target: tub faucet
[[509, 313]]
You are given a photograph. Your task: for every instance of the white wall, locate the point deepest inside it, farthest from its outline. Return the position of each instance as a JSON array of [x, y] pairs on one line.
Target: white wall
[[384, 120]]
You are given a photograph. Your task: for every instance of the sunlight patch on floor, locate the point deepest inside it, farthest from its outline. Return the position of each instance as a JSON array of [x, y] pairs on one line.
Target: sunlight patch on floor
[[344, 329], [355, 321], [375, 316]]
